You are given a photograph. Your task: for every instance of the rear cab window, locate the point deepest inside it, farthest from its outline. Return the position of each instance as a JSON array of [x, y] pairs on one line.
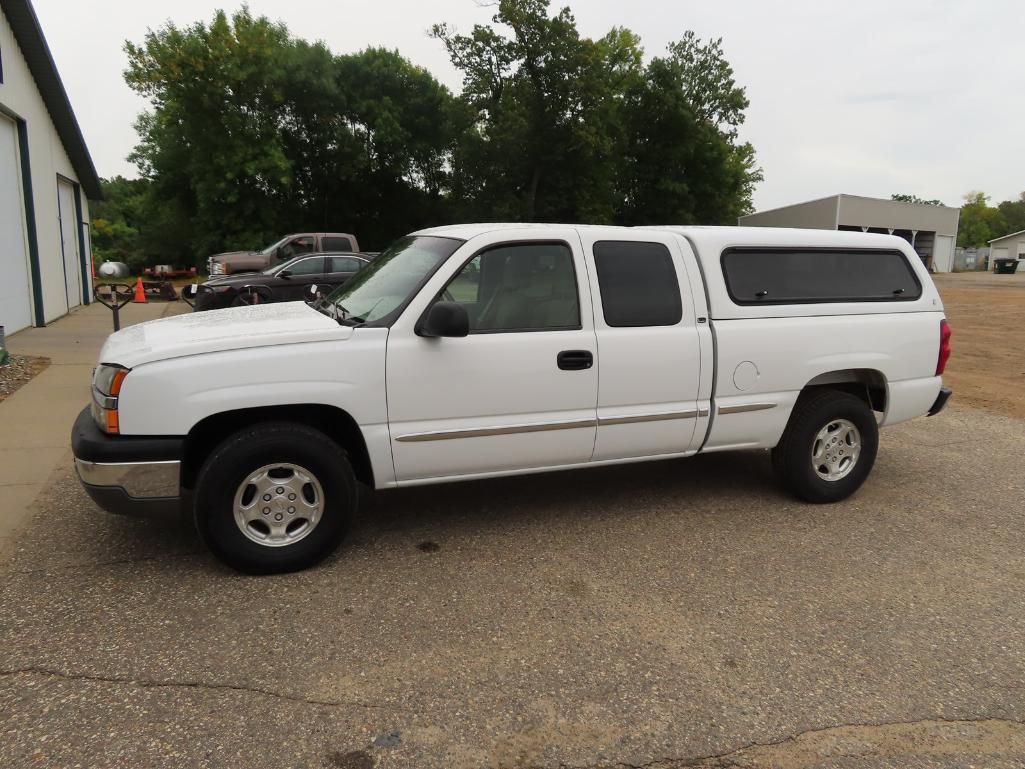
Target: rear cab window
[[335, 243], [757, 275], [638, 284]]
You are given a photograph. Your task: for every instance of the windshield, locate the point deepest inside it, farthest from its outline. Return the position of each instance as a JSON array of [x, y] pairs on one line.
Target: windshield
[[284, 265], [386, 283], [271, 248]]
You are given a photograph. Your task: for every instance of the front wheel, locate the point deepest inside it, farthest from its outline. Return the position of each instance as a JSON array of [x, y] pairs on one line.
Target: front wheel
[[275, 497], [828, 447]]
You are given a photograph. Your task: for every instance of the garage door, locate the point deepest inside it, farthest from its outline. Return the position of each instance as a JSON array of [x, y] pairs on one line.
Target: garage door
[[15, 306], [69, 242]]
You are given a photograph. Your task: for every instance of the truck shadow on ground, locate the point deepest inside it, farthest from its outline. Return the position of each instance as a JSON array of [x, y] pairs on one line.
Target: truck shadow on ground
[[724, 485], [720, 482]]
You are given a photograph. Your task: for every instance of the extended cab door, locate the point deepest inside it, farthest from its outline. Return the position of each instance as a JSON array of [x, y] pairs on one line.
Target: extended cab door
[[521, 390], [648, 343]]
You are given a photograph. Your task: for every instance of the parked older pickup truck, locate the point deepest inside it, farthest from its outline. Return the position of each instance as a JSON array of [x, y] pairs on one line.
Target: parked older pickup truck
[[289, 247], [484, 350]]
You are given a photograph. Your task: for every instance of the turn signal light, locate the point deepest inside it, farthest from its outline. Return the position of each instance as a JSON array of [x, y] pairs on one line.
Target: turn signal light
[[115, 384], [941, 361], [112, 426]]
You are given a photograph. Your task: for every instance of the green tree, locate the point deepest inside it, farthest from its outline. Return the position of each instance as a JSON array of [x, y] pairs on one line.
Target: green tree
[[117, 219], [979, 222], [562, 127], [685, 164], [905, 198], [254, 133], [1012, 215]]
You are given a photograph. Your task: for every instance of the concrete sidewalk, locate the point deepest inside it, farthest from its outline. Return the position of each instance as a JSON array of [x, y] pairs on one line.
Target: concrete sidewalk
[[35, 422]]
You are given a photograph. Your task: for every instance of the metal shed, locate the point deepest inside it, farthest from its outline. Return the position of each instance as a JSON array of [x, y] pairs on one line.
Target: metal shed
[[932, 230]]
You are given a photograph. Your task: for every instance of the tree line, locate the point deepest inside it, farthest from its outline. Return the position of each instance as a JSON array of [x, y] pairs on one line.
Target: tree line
[[980, 222], [253, 133]]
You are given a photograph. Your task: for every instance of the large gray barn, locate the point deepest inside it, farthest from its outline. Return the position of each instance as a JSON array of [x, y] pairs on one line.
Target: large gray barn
[[932, 230]]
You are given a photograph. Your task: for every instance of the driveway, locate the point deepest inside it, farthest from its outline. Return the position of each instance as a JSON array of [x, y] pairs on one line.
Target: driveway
[[666, 614]]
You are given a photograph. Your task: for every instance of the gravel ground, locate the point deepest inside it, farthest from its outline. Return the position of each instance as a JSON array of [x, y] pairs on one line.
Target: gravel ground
[[669, 614], [987, 315], [18, 371]]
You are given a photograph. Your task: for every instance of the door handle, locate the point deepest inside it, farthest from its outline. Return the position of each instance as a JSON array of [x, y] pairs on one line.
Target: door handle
[[575, 360]]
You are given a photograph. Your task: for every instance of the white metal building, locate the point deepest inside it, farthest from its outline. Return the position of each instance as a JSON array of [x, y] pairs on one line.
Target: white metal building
[[932, 230], [46, 179], [1008, 247]]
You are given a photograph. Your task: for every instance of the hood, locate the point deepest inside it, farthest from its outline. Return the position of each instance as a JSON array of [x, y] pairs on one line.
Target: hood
[[227, 254], [235, 279], [233, 328]]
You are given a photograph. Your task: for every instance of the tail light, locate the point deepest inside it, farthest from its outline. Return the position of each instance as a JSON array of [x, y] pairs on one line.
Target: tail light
[[941, 361]]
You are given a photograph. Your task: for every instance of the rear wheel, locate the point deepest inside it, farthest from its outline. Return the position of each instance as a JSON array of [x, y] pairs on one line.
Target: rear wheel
[[275, 497], [828, 448]]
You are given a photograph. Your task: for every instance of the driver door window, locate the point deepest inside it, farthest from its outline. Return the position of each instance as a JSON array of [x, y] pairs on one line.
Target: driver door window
[[529, 287], [301, 273], [295, 247], [312, 266]]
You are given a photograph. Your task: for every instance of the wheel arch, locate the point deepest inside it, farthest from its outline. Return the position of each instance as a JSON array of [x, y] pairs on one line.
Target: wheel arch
[[334, 422], [870, 385]]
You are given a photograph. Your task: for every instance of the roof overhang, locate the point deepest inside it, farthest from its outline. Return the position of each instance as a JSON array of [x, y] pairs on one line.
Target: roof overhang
[[29, 36], [1008, 235]]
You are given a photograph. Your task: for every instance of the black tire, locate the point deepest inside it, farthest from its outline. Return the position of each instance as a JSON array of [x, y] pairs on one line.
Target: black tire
[[792, 457], [245, 452]]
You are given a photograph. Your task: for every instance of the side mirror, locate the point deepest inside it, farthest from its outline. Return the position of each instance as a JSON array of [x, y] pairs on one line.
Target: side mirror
[[286, 274], [313, 293], [444, 319]]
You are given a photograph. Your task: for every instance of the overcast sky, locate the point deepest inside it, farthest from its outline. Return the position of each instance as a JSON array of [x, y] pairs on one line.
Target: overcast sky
[[868, 98]]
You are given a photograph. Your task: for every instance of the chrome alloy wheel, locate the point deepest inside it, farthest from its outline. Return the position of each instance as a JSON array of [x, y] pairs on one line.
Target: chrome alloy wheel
[[279, 504], [835, 450]]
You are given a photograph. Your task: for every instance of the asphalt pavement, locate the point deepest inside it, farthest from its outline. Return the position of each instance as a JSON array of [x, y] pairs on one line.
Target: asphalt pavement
[[661, 615]]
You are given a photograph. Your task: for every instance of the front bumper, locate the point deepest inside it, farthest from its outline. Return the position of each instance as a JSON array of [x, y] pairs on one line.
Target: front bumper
[[128, 475], [207, 299]]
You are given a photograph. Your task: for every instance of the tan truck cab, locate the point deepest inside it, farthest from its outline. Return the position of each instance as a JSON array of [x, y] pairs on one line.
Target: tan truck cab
[[289, 246]]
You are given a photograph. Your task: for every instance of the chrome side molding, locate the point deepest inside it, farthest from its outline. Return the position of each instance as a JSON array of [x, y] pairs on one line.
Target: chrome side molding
[[484, 432], [744, 407]]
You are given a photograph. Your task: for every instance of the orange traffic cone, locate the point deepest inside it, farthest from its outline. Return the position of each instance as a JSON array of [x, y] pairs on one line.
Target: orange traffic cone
[[140, 292]]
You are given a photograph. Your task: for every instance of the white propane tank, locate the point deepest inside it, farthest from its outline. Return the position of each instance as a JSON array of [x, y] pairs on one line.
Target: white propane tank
[[112, 270]]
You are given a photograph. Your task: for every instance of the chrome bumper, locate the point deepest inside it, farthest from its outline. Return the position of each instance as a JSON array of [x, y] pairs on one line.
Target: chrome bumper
[[140, 480]]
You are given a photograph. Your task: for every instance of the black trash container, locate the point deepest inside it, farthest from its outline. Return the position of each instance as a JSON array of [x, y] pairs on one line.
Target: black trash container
[[1005, 266]]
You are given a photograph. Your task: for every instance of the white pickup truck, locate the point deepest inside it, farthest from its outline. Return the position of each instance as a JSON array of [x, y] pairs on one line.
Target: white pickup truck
[[476, 351]]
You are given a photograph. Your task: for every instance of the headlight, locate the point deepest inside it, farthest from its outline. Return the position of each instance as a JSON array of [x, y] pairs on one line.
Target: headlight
[[216, 268], [107, 381]]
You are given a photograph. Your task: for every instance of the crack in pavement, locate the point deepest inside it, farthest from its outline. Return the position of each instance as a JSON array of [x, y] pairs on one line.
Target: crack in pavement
[[157, 684], [860, 740]]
